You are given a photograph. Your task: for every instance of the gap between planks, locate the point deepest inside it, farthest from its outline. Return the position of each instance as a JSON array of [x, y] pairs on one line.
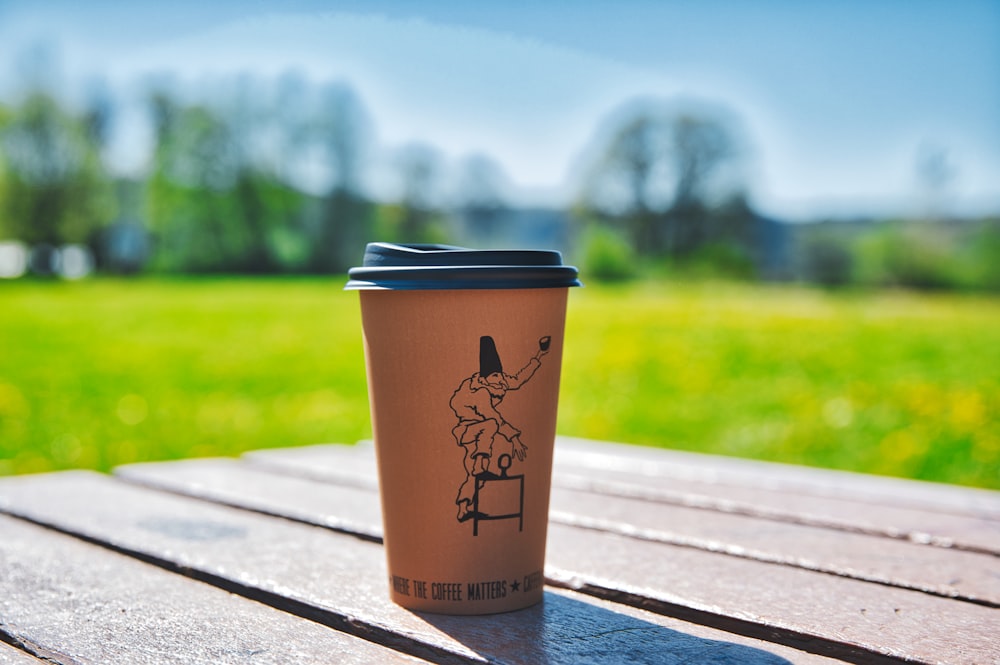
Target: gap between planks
[[346, 624], [355, 468], [865, 514], [372, 533], [314, 607], [779, 635]]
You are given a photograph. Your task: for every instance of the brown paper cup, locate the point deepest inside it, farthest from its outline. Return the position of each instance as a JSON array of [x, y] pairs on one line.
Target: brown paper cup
[[463, 388]]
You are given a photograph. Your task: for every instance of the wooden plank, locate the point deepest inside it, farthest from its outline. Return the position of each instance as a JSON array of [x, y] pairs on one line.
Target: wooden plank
[[967, 576], [72, 602], [345, 465], [797, 605], [927, 513], [799, 480], [816, 544], [354, 508], [638, 475], [332, 578], [956, 574], [715, 471], [575, 628], [894, 622], [845, 514], [11, 656], [337, 579]]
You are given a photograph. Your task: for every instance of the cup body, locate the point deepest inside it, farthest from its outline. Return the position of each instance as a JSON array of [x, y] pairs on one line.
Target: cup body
[[463, 350], [463, 387]]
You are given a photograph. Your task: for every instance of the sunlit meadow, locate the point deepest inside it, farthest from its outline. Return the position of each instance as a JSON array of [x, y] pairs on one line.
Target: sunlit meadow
[[888, 383], [104, 372]]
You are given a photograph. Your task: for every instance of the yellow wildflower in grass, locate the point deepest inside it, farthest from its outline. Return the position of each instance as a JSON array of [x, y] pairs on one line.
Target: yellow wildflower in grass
[[108, 372]]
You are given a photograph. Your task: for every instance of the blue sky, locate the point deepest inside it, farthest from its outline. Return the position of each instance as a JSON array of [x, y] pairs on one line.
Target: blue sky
[[834, 100]]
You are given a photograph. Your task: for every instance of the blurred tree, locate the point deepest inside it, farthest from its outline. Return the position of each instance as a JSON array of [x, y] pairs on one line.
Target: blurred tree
[[55, 188], [480, 198], [907, 254], [628, 179], [419, 215], [654, 174], [98, 116], [984, 260], [6, 224], [261, 182], [266, 207], [725, 240], [700, 146], [191, 203], [294, 119], [346, 217], [935, 174], [826, 256], [214, 202], [606, 256], [123, 247]]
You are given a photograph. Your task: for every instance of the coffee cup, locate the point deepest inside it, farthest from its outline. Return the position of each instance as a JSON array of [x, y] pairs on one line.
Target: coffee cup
[[463, 351]]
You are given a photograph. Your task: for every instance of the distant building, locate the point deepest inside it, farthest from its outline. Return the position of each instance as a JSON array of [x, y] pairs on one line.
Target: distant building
[[769, 241], [772, 248], [516, 228], [124, 247], [13, 259]]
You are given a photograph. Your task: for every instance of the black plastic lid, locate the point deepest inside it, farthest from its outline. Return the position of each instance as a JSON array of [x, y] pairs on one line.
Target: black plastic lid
[[433, 267]]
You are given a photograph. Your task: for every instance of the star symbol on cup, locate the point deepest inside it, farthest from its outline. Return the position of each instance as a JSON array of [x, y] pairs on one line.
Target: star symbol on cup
[[515, 586]]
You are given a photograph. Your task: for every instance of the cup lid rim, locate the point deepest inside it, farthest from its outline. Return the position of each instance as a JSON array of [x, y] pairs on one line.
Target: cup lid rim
[[431, 266]]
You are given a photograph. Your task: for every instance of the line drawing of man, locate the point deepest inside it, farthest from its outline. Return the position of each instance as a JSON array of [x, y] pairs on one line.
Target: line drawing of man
[[482, 430]]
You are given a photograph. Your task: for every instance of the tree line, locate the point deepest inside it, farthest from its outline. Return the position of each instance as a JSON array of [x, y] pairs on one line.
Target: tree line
[[275, 177]]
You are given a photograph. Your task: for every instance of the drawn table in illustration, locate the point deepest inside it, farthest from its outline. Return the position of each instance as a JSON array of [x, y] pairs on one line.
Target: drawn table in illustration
[[654, 556]]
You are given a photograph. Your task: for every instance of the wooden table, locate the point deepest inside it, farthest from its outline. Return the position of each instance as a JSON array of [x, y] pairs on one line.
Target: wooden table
[[654, 557]]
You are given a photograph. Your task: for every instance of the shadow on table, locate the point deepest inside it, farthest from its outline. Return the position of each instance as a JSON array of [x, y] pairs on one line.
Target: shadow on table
[[565, 630]]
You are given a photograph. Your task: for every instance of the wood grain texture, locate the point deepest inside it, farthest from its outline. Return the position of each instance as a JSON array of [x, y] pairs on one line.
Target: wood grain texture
[[340, 580], [72, 602], [956, 574], [885, 620], [352, 508], [799, 480], [715, 470], [845, 513], [951, 517], [800, 604], [779, 495], [970, 576], [11, 656]]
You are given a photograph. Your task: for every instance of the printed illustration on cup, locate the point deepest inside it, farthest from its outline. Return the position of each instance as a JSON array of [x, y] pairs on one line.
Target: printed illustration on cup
[[490, 491]]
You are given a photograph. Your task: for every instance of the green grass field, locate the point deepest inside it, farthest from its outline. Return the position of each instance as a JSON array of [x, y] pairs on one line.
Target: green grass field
[[105, 372]]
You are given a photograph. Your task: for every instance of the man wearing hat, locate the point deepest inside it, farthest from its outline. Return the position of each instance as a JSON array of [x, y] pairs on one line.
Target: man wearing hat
[[481, 429]]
